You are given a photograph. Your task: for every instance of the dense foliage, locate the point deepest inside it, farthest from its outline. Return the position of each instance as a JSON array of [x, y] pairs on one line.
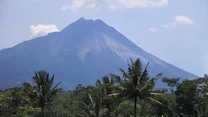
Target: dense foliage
[[133, 95]]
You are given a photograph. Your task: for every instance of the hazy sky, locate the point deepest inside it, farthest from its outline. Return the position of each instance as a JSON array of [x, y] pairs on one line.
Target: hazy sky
[[176, 31]]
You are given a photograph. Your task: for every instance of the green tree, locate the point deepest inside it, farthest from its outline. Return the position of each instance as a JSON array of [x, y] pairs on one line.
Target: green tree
[[107, 86], [171, 82], [202, 95], [93, 104], [186, 98], [7, 105], [43, 91], [137, 84], [14, 103], [169, 110], [124, 109]]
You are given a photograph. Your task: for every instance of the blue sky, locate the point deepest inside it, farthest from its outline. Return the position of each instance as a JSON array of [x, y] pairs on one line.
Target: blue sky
[[176, 31]]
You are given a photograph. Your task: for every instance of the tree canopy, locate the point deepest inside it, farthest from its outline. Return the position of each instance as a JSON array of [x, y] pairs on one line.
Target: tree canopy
[[132, 95]]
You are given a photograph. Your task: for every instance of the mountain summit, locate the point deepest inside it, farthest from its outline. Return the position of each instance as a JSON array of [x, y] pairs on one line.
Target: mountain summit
[[79, 54]]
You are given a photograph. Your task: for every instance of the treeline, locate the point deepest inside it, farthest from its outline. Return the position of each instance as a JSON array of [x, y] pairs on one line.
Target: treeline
[[133, 95]]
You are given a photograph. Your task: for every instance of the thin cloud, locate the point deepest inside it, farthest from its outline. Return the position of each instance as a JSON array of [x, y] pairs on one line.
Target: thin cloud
[[113, 4], [183, 20], [153, 29], [41, 30], [178, 20], [141, 3], [80, 4]]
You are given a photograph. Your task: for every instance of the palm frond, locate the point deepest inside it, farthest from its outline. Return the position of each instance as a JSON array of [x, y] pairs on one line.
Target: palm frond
[[152, 100], [91, 100], [144, 74], [151, 81], [124, 73], [98, 83], [114, 94], [105, 79], [115, 78], [157, 76], [26, 85]]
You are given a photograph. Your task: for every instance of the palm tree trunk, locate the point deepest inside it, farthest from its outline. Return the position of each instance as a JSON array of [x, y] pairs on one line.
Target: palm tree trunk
[[108, 113], [42, 111], [135, 105]]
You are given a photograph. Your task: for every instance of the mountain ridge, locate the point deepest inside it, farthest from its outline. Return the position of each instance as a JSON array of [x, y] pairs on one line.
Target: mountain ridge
[[82, 52]]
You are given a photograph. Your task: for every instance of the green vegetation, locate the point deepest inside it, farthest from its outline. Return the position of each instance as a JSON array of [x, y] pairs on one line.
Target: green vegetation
[[133, 95], [42, 92]]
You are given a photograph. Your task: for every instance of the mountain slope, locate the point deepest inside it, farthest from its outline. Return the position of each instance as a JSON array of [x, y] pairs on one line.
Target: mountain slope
[[81, 53]]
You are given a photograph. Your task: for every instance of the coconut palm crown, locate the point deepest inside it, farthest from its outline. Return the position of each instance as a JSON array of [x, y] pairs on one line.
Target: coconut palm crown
[[137, 84], [43, 91]]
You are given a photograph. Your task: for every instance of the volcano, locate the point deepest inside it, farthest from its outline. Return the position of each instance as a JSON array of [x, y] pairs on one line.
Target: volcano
[[82, 52]]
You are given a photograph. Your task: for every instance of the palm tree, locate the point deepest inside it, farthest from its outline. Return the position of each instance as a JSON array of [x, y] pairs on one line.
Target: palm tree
[[107, 86], [137, 84], [171, 82], [97, 103], [93, 104], [42, 92]]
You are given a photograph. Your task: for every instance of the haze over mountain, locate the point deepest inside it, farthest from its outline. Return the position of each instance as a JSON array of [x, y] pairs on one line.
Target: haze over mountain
[[79, 54]]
